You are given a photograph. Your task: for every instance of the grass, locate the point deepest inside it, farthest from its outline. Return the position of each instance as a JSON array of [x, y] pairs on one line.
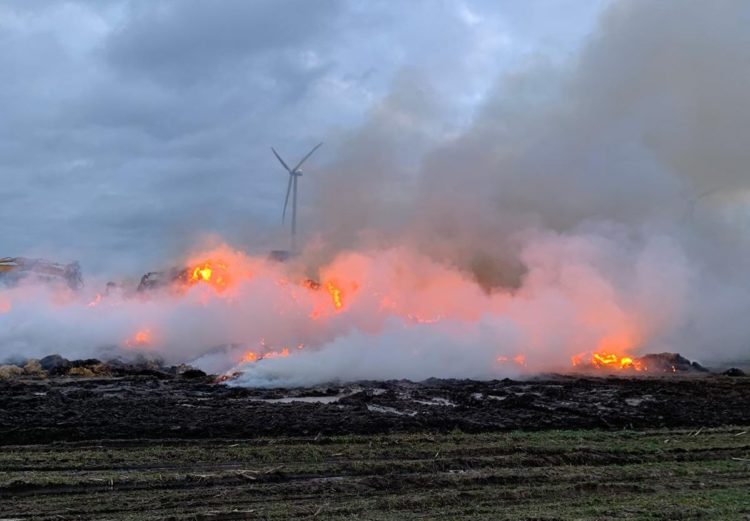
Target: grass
[[656, 474]]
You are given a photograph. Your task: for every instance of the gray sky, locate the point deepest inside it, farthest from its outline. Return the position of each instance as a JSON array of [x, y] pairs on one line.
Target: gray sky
[[129, 130]]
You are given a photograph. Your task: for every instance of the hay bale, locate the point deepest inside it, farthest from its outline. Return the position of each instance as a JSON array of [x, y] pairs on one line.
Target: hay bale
[[101, 369], [34, 368], [9, 372], [53, 362], [81, 371]]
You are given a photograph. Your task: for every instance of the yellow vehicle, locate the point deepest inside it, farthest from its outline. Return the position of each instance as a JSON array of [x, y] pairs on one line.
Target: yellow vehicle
[[15, 269]]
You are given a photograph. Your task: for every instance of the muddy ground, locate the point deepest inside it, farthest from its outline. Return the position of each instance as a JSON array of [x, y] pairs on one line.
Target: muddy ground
[[177, 446], [158, 407]]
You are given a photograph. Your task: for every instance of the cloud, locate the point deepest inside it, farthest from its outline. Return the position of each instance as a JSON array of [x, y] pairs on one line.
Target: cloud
[[130, 128], [186, 42]]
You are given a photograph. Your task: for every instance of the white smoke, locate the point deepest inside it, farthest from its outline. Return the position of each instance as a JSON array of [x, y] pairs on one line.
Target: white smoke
[[402, 314]]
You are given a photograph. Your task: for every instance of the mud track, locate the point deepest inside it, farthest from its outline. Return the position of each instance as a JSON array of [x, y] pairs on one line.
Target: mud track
[[150, 407]]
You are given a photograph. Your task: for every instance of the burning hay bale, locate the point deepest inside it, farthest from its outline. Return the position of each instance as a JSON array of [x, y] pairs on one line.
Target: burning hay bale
[[210, 272], [658, 363]]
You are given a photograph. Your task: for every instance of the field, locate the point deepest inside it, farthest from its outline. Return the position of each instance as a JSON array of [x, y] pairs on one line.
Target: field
[[660, 448], [654, 474]]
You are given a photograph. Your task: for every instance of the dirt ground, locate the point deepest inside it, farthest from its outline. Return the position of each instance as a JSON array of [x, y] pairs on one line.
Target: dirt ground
[[136, 407]]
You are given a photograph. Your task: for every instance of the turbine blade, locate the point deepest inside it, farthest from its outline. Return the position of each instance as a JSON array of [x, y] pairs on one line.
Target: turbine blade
[[286, 200], [308, 155], [280, 160]]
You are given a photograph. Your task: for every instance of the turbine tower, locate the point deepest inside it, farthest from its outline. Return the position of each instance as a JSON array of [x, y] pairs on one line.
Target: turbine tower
[[291, 187]]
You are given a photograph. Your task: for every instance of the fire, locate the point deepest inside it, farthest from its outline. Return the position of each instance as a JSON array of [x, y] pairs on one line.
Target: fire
[[365, 292], [252, 356], [277, 354], [209, 272], [607, 353], [604, 360], [518, 359], [202, 273], [612, 360], [335, 295], [141, 338]]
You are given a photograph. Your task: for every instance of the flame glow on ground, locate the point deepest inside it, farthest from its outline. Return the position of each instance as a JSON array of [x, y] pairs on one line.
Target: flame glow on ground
[[365, 315]]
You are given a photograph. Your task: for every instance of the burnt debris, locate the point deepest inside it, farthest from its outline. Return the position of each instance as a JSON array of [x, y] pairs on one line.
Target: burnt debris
[[56, 366]]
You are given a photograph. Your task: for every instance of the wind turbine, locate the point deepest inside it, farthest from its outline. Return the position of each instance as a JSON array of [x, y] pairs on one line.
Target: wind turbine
[[294, 174]]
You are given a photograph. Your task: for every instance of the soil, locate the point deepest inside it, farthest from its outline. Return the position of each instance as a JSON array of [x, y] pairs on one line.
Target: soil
[[192, 406]]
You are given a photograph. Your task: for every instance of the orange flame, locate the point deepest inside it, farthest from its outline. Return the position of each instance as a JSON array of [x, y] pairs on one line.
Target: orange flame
[[209, 272], [140, 339], [604, 360], [202, 273], [277, 354], [335, 295], [607, 354], [518, 359], [252, 356]]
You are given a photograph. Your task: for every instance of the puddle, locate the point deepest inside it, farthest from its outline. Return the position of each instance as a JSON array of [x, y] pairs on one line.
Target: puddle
[[440, 402], [302, 399], [389, 410]]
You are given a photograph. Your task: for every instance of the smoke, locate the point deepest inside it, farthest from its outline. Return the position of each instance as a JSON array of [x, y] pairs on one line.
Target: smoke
[[384, 313], [644, 130], [599, 203]]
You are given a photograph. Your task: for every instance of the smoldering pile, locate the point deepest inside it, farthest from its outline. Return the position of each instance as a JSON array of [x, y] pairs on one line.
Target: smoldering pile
[[56, 366]]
